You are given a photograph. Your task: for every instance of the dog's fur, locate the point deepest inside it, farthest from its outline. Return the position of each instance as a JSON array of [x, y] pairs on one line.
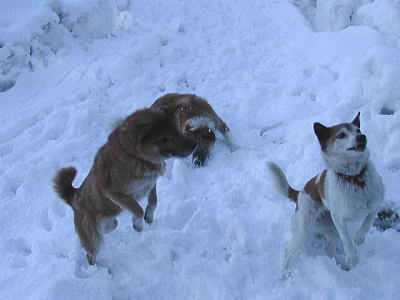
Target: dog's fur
[[124, 171], [197, 119], [349, 189]]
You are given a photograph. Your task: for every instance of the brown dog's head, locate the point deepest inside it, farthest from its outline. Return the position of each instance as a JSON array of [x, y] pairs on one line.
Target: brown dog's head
[[205, 138], [204, 134], [154, 136]]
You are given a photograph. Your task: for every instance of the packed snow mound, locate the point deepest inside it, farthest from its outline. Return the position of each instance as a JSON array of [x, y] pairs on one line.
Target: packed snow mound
[[333, 15], [219, 232], [32, 36], [384, 16]]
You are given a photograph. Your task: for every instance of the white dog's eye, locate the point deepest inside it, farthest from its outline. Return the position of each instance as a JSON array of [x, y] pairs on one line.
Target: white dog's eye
[[341, 135], [358, 131]]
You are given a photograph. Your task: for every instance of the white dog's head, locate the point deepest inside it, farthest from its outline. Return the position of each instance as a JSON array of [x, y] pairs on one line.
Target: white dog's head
[[344, 147]]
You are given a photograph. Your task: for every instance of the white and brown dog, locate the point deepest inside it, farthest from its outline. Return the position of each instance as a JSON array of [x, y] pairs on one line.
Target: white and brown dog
[[348, 190]]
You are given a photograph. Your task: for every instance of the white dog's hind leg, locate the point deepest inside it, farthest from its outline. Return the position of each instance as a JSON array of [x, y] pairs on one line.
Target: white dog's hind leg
[[301, 228], [298, 240]]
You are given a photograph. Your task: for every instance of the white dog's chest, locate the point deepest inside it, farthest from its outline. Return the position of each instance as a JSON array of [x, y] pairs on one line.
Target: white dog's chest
[[353, 201], [353, 204]]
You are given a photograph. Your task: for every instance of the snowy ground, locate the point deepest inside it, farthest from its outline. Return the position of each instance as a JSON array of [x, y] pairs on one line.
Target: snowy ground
[[69, 68]]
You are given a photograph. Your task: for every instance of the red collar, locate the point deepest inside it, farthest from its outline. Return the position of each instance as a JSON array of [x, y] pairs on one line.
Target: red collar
[[357, 179]]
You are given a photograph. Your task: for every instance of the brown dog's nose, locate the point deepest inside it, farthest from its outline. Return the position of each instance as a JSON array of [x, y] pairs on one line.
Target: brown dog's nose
[[191, 143]]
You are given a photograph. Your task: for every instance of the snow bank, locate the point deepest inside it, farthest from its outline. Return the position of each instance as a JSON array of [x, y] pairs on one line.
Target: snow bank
[[334, 14]]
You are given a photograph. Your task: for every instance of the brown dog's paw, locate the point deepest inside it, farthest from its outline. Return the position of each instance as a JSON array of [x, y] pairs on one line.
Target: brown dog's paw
[[91, 259], [199, 157], [198, 162], [148, 215], [148, 218], [137, 224]]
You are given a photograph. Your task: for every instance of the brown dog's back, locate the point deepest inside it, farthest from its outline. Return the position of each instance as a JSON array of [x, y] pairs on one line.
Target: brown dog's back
[[185, 107]]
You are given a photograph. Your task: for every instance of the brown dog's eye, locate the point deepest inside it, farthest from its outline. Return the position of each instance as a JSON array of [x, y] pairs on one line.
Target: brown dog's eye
[[341, 135], [208, 134], [163, 140]]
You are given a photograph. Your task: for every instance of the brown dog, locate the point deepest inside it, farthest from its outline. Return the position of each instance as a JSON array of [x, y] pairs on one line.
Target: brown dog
[[196, 119], [124, 171]]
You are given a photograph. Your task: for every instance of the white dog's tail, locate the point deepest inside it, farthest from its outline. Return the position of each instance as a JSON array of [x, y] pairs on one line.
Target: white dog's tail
[[281, 182]]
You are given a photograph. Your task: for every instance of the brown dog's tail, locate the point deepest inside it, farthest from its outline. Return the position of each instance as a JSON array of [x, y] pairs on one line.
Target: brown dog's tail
[[63, 184], [281, 182]]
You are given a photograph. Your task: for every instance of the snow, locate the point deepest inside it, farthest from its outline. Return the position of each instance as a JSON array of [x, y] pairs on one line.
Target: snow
[[270, 69]]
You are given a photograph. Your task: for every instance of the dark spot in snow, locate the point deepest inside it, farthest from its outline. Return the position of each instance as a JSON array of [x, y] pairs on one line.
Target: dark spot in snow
[[6, 85], [387, 218], [164, 42], [181, 29], [386, 111]]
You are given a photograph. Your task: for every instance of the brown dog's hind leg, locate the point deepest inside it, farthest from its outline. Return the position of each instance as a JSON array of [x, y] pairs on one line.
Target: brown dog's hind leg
[[89, 235]]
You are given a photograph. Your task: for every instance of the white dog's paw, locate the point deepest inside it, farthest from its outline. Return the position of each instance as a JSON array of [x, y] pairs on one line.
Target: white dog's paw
[[353, 260], [345, 266], [358, 239], [137, 224], [286, 274]]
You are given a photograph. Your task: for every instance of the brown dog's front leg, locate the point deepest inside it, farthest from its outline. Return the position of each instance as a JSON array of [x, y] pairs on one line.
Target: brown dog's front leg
[[200, 154], [224, 129], [151, 205], [130, 204]]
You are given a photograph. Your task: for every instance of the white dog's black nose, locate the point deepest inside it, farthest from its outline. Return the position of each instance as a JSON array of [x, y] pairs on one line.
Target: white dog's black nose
[[362, 140]]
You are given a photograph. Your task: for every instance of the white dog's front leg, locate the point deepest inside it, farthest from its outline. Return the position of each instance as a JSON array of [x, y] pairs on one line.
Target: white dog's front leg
[[348, 245], [359, 236]]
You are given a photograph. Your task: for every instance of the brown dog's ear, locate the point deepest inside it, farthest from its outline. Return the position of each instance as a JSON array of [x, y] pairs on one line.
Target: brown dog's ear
[[356, 120], [169, 109], [321, 132], [142, 130]]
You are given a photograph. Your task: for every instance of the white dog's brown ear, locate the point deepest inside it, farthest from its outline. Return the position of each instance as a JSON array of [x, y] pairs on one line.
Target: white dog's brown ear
[[356, 120], [322, 133]]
